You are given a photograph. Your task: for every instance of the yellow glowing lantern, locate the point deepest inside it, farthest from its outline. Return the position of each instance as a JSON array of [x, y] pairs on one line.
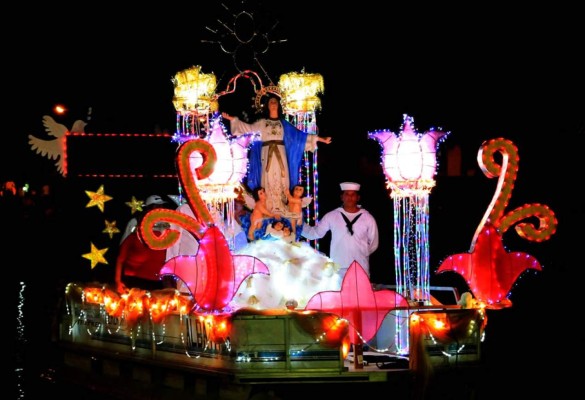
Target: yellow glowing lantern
[[194, 91], [300, 91]]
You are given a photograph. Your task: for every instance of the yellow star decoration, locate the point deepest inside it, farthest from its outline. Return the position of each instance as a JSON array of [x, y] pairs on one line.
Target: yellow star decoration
[[97, 198], [96, 256], [135, 205], [111, 228]]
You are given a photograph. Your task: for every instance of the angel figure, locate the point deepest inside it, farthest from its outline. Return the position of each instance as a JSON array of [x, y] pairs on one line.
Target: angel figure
[[259, 213], [295, 204]]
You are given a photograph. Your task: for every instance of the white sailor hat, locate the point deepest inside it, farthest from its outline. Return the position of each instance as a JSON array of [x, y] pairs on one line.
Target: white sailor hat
[[350, 186]]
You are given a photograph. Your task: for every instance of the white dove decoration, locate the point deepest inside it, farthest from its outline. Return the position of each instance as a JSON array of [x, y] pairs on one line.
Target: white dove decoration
[[54, 149]]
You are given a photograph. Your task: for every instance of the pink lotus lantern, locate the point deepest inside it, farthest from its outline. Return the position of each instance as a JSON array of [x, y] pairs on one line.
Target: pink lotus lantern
[[409, 163], [409, 158]]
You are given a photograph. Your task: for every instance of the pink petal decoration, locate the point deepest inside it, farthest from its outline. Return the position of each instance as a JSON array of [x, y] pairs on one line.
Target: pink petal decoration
[[489, 269], [211, 275], [358, 303]]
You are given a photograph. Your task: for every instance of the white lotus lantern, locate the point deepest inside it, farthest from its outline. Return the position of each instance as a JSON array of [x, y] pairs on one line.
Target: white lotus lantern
[[220, 189], [231, 165]]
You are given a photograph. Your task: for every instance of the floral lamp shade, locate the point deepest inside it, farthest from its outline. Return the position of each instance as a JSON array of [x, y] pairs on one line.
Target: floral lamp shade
[[409, 158]]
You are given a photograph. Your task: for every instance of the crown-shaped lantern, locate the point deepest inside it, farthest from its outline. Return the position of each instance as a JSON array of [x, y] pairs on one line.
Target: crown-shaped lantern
[[300, 91], [194, 91]]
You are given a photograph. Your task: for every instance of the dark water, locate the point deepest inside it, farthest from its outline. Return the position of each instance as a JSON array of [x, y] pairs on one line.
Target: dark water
[[37, 362]]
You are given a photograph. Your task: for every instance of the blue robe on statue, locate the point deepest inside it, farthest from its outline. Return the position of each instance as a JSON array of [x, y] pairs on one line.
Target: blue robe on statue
[[294, 143]]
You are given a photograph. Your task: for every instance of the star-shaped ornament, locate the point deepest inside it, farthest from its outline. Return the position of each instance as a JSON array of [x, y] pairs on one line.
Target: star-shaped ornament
[[135, 205], [97, 198], [111, 228], [96, 256]]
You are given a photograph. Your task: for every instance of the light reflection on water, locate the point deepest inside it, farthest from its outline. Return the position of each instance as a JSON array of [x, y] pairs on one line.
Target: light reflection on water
[[20, 343], [35, 356]]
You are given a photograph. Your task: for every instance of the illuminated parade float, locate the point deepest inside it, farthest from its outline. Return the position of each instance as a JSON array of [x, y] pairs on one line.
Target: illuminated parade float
[[272, 311]]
